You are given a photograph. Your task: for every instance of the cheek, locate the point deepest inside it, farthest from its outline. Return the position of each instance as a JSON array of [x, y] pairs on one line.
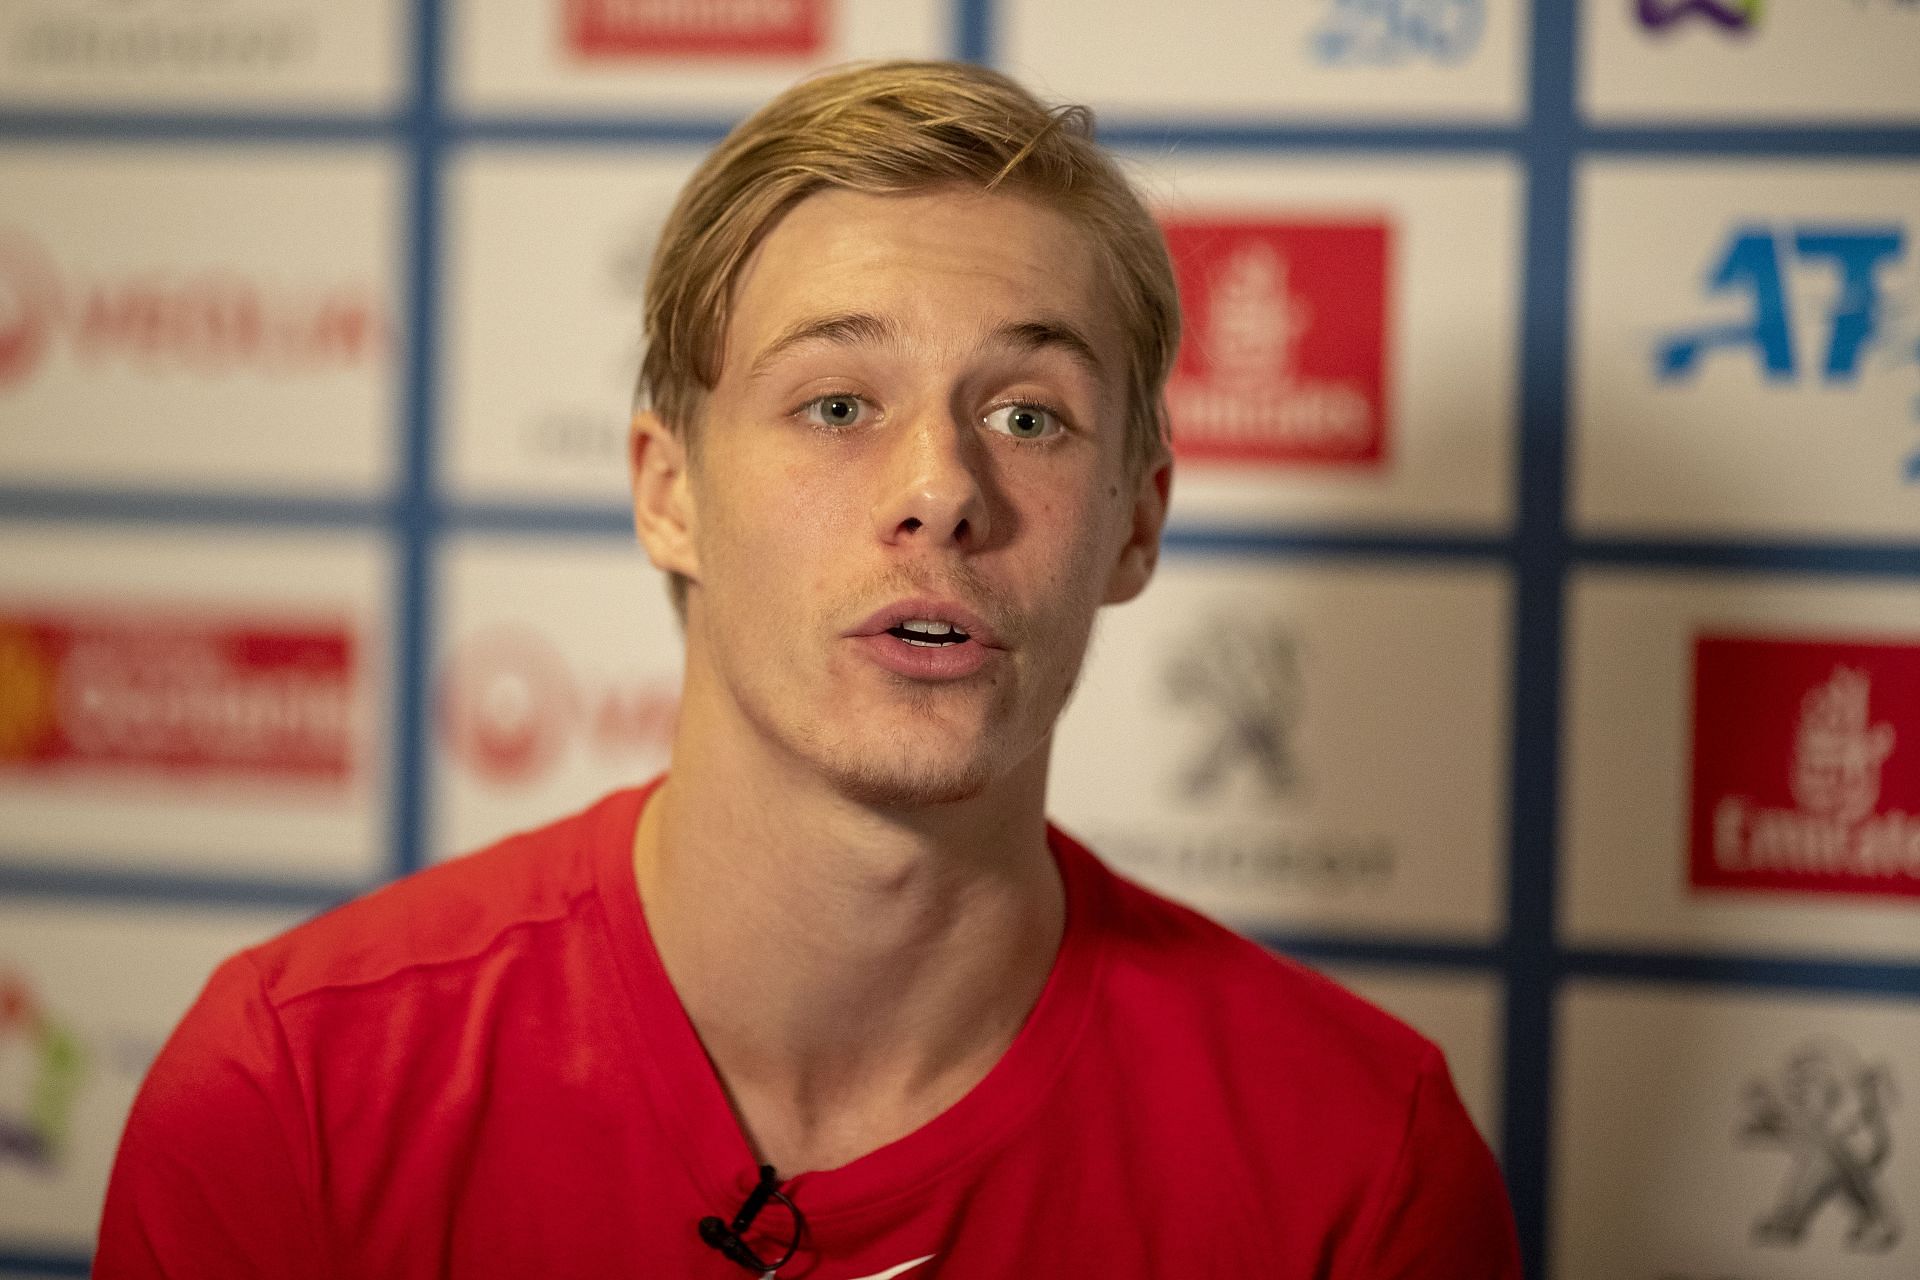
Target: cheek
[[1087, 531], [780, 531], [745, 503]]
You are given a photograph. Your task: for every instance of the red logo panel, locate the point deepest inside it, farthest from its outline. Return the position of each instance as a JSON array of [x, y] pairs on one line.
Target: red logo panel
[[235, 700], [1284, 356], [1806, 766], [681, 28]]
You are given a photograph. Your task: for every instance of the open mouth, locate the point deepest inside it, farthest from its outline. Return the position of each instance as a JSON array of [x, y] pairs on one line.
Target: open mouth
[[927, 634]]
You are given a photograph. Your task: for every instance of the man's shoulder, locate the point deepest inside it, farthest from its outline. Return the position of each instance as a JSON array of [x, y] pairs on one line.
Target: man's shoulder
[[1295, 1086], [448, 914], [1193, 978]]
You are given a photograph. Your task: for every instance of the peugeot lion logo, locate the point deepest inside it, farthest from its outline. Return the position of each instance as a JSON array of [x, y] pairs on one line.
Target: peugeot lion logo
[[1830, 1112], [1245, 679]]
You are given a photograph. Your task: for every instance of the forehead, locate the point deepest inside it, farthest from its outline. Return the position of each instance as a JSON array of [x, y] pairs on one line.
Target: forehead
[[940, 264]]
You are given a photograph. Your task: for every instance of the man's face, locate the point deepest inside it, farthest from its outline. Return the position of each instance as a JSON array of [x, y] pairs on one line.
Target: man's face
[[909, 495]]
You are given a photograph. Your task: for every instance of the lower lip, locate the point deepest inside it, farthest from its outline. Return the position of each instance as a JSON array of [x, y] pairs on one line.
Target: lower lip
[[925, 662]]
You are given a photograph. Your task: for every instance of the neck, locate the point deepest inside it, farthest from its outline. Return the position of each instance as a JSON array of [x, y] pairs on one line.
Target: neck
[[851, 971]]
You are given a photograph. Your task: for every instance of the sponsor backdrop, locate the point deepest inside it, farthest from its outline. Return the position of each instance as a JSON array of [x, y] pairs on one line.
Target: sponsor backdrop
[[1537, 648]]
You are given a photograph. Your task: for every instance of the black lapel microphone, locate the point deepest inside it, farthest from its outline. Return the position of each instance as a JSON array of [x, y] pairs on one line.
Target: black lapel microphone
[[729, 1237]]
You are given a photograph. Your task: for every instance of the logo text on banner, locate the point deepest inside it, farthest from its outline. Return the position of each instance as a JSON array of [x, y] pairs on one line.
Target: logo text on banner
[[232, 699], [510, 704], [1857, 330], [681, 28], [210, 322], [185, 40], [1284, 359], [1376, 33], [1767, 271], [1806, 766], [1755, 267]]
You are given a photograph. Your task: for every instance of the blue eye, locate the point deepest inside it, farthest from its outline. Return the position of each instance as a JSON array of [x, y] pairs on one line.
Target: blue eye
[[835, 411], [1024, 421]]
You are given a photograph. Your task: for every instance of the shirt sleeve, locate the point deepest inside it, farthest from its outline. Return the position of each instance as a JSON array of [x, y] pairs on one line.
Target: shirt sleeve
[[214, 1176], [1441, 1212]]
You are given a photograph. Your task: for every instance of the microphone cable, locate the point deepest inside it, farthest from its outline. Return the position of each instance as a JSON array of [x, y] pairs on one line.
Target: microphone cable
[[729, 1238]]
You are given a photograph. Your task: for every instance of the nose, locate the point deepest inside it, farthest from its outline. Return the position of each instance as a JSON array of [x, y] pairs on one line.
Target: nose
[[934, 492]]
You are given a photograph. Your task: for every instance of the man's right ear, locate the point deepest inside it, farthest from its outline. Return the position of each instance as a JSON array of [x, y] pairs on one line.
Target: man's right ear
[[662, 495]]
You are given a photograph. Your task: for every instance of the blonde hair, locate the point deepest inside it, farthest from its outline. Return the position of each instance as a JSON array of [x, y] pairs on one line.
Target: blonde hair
[[889, 128]]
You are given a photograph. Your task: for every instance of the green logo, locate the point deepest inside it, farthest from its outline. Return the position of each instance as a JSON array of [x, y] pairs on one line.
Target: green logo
[[35, 1122]]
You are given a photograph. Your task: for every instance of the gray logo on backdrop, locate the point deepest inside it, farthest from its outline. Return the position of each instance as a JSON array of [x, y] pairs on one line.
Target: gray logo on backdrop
[[1243, 678], [1828, 1110]]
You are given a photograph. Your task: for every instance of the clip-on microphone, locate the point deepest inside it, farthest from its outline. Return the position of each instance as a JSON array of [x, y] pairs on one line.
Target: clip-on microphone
[[728, 1238]]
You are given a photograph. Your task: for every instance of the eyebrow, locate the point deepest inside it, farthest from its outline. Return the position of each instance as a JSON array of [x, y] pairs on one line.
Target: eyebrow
[[863, 328], [848, 329], [1042, 335]]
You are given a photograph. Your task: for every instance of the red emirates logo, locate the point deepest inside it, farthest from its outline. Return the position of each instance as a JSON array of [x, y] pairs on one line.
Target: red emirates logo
[[211, 323], [178, 696], [510, 706], [681, 28], [1284, 357], [1806, 766]]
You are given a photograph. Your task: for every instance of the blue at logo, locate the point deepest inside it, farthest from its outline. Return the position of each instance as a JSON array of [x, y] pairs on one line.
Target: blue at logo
[[1754, 268], [1376, 33]]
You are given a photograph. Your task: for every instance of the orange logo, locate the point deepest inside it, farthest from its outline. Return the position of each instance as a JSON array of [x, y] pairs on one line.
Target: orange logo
[[26, 692]]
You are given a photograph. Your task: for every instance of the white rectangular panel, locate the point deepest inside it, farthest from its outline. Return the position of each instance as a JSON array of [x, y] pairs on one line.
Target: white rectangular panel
[[1374, 59], [673, 57], [279, 55], [1451, 248], [1746, 349], [1705, 1134], [199, 317], [1628, 763], [185, 701], [548, 260], [1300, 746], [557, 680], [1741, 60], [88, 994]]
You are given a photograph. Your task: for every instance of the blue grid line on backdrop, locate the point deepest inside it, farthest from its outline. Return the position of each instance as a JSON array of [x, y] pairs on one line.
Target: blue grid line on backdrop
[[417, 526], [1879, 557], [1540, 552], [1533, 968]]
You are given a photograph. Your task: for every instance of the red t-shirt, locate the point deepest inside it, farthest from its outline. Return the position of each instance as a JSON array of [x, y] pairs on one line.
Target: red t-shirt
[[482, 1071]]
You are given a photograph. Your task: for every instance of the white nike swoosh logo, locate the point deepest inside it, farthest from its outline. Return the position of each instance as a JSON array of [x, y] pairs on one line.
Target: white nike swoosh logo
[[891, 1272]]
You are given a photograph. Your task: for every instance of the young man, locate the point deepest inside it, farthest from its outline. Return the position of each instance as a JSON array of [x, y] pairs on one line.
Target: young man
[[831, 1000]]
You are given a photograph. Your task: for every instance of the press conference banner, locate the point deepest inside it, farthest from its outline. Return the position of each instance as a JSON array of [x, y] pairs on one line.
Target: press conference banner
[[1536, 648]]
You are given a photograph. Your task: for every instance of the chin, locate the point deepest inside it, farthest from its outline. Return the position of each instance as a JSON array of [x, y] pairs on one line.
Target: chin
[[929, 763], [898, 783]]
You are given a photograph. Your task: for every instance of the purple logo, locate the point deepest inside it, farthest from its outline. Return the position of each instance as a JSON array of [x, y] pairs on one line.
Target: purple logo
[[1731, 15]]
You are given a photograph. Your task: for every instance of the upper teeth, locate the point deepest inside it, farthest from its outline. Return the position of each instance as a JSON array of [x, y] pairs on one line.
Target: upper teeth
[[924, 627]]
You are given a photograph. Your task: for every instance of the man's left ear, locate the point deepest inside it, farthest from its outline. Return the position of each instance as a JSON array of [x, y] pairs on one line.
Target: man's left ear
[[1142, 549]]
